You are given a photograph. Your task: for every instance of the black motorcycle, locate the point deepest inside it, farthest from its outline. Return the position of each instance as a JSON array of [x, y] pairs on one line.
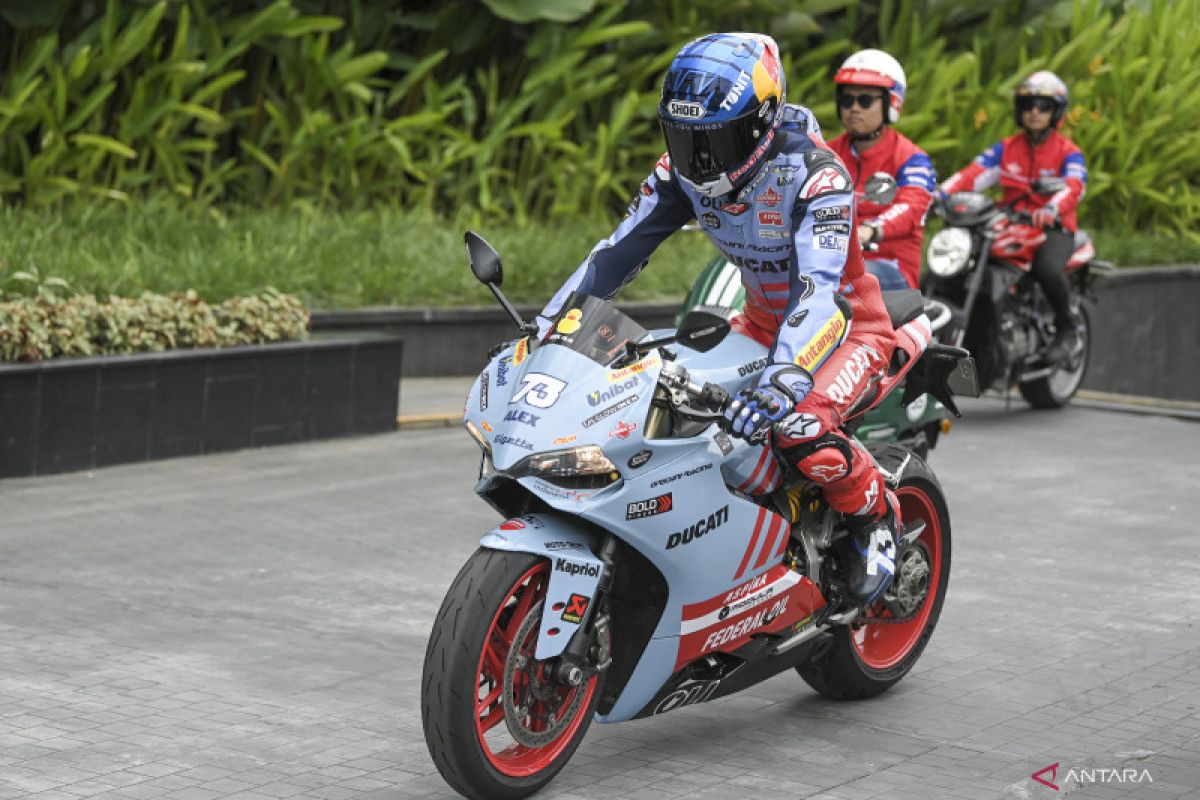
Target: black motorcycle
[[979, 265]]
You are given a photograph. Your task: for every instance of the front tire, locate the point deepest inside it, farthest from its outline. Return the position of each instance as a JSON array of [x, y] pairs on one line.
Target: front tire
[[496, 723], [1056, 389], [866, 659]]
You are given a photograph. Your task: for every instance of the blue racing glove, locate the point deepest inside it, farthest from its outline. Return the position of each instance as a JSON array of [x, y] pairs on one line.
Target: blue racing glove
[[754, 411]]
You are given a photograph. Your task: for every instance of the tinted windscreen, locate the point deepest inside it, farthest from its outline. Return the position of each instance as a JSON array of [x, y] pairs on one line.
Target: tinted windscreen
[[593, 327]]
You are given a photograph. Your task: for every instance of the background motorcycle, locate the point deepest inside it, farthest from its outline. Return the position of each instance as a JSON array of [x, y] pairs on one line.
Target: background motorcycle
[[649, 561], [979, 266], [916, 424]]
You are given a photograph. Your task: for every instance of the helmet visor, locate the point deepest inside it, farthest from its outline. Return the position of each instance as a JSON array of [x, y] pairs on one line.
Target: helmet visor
[[703, 153]]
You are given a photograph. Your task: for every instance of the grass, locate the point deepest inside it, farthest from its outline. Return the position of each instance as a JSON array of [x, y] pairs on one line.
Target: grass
[[357, 259]]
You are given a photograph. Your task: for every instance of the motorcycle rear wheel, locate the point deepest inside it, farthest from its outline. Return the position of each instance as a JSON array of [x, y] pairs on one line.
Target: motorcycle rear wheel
[[475, 689], [1056, 389], [865, 660]]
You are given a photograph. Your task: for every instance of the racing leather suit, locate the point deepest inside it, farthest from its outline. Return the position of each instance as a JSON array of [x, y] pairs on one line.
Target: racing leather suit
[[902, 222], [790, 230], [1016, 162]]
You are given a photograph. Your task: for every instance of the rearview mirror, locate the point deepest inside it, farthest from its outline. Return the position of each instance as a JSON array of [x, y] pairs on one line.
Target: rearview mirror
[[702, 330], [881, 189], [485, 261]]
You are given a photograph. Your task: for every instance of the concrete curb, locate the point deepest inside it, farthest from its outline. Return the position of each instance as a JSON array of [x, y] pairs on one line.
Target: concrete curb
[[1132, 404], [412, 422]]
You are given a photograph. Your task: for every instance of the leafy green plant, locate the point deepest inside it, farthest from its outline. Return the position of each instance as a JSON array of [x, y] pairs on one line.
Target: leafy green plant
[[33, 328], [513, 110], [368, 257]]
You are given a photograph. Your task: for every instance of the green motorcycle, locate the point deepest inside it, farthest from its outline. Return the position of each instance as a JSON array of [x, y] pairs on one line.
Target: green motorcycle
[[916, 426]]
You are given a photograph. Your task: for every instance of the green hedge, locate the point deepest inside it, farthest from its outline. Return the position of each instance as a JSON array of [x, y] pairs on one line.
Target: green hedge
[[546, 110], [368, 257], [47, 325]]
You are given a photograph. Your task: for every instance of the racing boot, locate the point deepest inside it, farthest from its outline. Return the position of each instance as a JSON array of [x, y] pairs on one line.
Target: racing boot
[[870, 553], [1065, 345]]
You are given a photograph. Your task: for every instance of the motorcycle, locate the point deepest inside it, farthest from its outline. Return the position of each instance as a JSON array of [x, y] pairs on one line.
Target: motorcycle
[[980, 267], [916, 425], [648, 561]]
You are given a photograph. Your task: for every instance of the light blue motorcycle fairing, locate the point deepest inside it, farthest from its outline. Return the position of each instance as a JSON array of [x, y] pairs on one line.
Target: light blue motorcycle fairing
[[575, 570], [577, 403]]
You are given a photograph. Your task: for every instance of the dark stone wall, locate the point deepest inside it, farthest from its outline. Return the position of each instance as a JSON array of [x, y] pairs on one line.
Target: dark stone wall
[[72, 414], [455, 341], [1146, 333]]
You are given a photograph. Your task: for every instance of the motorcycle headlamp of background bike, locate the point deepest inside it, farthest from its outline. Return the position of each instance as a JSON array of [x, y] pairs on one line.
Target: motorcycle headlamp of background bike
[[949, 251]]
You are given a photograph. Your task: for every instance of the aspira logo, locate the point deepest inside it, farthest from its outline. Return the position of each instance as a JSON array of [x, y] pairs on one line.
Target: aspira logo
[[571, 568]]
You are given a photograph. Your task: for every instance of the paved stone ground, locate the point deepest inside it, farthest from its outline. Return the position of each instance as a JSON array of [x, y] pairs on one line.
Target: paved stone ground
[[252, 625]]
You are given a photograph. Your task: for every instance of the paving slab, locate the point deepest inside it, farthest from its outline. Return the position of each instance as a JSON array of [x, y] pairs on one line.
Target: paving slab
[[252, 625]]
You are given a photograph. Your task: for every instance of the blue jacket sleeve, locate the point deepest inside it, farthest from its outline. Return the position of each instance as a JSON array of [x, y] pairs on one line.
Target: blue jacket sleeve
[[658, 209], [822, 222]]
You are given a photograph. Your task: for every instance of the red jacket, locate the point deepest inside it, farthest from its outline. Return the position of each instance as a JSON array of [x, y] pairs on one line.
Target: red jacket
[[902, 228], [1016, 163]]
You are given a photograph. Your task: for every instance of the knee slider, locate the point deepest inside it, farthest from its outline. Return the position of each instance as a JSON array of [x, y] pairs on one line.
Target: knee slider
[[826, 459]]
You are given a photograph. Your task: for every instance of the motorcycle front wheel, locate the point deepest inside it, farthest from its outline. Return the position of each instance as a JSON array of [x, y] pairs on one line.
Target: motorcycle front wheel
[[497, 722], [867, 658], [1056, 389]]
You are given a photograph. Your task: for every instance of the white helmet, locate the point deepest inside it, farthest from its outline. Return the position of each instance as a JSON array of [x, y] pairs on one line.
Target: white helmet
[[876, 68]]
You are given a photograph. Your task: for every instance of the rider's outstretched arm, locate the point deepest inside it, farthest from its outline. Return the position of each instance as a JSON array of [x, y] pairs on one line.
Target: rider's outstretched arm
[[658, 209], [980, 174], [1074, 170]]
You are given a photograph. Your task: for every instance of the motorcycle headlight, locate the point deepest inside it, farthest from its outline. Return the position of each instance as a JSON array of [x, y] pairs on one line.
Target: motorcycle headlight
[[949, 251], [576, 468]]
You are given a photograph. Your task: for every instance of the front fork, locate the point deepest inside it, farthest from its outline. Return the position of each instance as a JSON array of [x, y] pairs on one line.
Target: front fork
[[589, 651], [985, 247]]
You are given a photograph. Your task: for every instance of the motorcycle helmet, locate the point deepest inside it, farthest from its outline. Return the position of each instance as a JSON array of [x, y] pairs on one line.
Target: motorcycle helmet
[[721, 106], [1042, 84], [876, 68]]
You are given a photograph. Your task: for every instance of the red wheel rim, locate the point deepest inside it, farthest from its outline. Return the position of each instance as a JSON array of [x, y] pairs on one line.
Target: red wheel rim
[[503, 752], [884, 645]]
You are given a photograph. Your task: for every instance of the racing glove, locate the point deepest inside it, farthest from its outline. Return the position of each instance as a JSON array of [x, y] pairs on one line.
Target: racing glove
[[1045, 216], [754, 411]]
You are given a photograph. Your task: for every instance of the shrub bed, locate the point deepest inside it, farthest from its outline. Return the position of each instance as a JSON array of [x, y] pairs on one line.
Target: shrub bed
[[49, 326]]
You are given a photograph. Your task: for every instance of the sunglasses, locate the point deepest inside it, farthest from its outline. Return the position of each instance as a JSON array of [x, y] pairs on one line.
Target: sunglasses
[[847, 100], [1043, 104]]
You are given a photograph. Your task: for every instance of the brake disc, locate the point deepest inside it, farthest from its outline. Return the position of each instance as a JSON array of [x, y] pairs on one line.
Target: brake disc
[[559, 704]]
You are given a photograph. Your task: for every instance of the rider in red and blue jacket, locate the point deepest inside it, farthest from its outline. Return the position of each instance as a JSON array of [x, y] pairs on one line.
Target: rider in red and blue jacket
[[870, 93], [1038, 151], [779, 204]]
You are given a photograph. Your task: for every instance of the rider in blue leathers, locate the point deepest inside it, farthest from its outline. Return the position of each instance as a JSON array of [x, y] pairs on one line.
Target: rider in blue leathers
[[778, 203]]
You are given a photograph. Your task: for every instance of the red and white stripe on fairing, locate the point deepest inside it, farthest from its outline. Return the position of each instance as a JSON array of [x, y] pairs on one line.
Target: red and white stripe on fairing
[[765, 476], [772, 531], [769, 602], [773, 582]]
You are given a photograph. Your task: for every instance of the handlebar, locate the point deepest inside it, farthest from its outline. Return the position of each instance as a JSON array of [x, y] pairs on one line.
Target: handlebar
[[709, 397]]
